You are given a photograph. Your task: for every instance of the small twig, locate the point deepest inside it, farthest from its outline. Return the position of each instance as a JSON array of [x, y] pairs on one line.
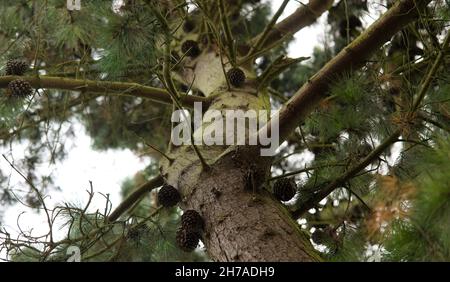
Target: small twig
[[435, 123], [108, 246], [41, 199], [263, 37], [155, 149], [359, 198], [301, 171], [83, 212], [227, 31], [160, 152], [279, 65], [219, 40], [430, 76], [277, 94]]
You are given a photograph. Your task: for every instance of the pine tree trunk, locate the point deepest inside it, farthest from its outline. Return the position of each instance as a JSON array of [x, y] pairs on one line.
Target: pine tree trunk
[[242, 223]]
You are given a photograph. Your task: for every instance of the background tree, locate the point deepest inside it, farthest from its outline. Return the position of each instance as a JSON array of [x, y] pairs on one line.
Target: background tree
[[367, 89]]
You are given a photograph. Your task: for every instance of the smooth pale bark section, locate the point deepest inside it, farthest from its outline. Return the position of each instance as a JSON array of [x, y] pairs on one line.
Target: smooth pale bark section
[[204, 73]]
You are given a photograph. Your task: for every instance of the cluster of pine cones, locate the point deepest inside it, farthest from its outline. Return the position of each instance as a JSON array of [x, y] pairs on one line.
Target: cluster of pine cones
[[190, 231], [18, 88], [192, 225]]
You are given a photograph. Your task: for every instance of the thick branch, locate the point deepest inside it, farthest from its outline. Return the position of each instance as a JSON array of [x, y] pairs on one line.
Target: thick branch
[[350, 58], [104, 87], [302, 17], [135, 196]]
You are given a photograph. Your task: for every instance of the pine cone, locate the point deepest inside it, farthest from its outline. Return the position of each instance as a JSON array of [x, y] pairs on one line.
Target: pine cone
[[16, 67], [192, 220], [20, 88], [236, 77], [168, 196], [284, 189], [190, 48], [187, 239]]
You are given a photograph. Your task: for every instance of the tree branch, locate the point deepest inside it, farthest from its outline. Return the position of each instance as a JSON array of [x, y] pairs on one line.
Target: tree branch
[[306, 169], [104, 87], [135, 196], [350, 58], [302, 17]]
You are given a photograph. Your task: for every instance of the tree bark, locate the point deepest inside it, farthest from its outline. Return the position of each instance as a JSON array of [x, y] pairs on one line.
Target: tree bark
[[240, 224], [243, 226]]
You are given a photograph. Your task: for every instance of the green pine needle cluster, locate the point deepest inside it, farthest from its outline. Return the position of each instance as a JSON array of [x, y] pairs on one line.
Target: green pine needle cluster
[[424, 236]]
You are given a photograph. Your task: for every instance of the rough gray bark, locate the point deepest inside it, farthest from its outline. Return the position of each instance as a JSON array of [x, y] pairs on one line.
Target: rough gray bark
[[241, 224]]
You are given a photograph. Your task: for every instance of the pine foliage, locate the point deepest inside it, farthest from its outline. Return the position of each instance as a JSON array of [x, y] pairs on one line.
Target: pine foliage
[[396, 208]]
